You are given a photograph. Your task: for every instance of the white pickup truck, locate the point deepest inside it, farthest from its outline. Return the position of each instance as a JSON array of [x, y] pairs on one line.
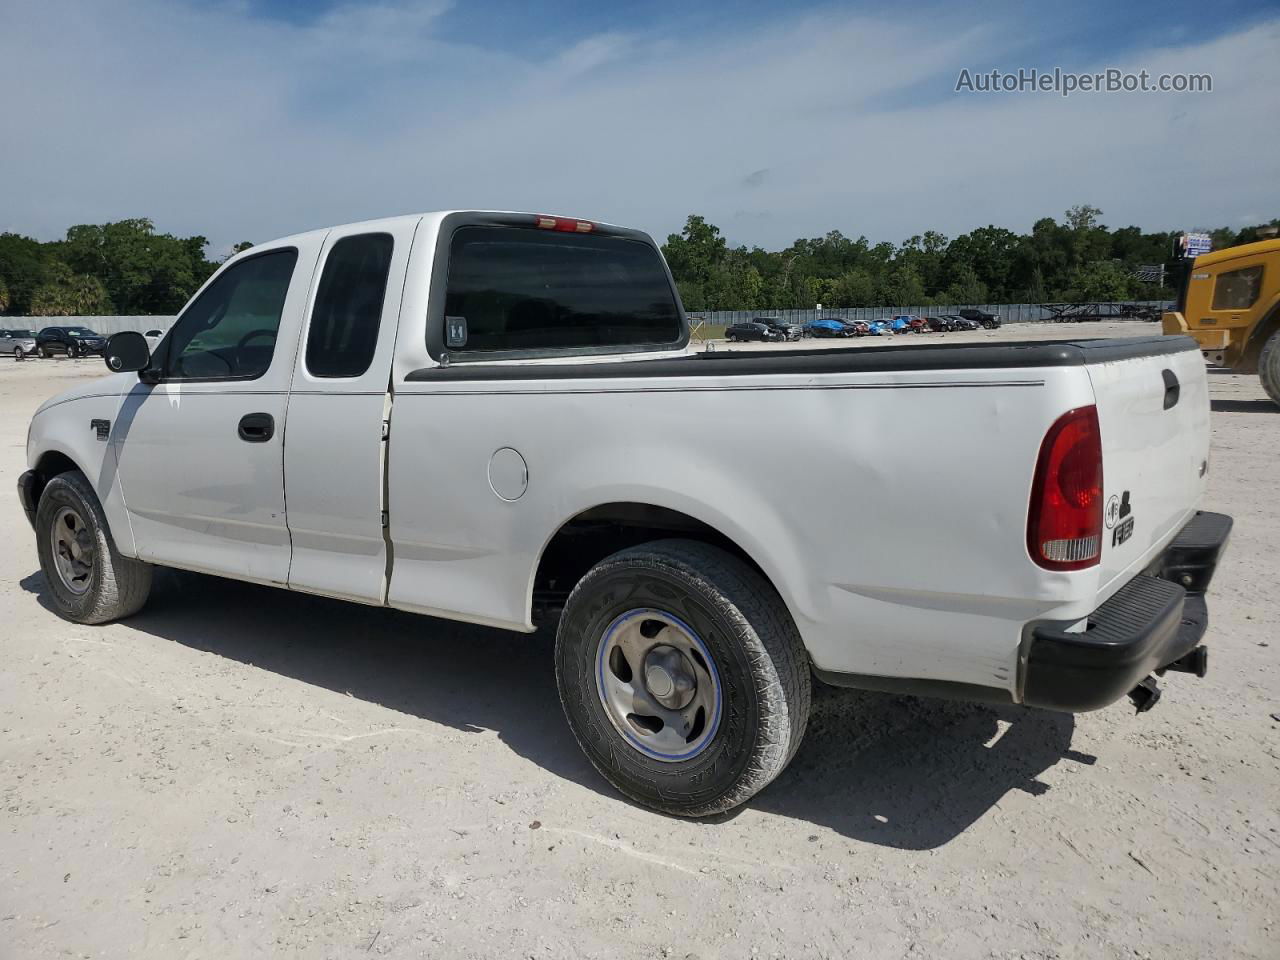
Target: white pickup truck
[[494, 418]]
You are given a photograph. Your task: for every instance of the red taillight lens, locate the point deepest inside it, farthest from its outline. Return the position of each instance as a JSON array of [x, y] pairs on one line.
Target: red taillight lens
[[563, 224], [1064, 525]]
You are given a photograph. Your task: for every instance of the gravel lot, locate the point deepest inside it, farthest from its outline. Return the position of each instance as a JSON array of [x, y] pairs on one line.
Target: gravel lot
[[243, 772]]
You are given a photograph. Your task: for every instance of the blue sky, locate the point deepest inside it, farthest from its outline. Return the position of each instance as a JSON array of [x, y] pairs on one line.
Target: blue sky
[[249, 119]]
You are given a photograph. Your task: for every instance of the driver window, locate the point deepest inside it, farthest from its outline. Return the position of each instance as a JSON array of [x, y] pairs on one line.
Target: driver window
[[230, 331]]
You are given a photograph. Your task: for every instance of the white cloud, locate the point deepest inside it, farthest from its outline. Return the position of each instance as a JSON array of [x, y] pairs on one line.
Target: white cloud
[[211, 121]]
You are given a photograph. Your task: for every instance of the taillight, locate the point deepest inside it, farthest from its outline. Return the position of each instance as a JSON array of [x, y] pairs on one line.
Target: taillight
[[1064, 525], [564, 224]]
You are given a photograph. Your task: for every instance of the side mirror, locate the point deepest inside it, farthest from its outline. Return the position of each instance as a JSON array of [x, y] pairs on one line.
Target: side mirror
[[127, 352]]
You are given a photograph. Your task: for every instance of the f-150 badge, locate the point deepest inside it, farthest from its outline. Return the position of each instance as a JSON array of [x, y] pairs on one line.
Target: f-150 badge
[[1118, 518]]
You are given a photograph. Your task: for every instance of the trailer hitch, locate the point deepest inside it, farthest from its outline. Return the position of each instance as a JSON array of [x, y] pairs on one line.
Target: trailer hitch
[[1145, 695], [1197, 662]]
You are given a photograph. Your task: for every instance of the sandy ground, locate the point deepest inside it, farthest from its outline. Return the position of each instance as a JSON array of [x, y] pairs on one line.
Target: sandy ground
[[242, 772]]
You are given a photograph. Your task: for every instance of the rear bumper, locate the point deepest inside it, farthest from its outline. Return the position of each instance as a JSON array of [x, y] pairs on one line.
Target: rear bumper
[[1154, 621]]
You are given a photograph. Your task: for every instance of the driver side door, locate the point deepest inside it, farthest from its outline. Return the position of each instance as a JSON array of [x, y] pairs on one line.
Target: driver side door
[[200, 437]]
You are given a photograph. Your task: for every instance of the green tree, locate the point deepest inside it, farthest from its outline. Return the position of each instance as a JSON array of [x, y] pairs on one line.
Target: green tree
[[903, 288], [965, 287], [990, 252], [1103, 281], [1083, 217], [4, 295], [144, 272], [855, 288], [67, 294], [695, 252]]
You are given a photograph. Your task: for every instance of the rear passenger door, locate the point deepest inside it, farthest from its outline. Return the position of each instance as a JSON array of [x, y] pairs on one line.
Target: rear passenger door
[[338, 405]]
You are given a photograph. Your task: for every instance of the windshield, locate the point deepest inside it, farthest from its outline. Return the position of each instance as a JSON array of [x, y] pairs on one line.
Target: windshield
[[80, 331]]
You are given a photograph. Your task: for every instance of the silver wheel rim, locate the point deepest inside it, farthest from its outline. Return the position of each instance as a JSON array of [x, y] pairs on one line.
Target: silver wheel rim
[[658, 685], [74, 549]]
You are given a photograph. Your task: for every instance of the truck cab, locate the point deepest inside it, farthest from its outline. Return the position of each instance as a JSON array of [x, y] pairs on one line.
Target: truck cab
[[1230, 304]]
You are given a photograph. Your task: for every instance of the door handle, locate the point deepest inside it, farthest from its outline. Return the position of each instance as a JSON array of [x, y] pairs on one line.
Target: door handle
[[257, 427], [1172, 389]]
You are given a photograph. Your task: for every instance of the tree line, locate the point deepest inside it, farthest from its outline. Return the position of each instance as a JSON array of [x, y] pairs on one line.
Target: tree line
[[127, 268], [124, 268], [1077, 260]]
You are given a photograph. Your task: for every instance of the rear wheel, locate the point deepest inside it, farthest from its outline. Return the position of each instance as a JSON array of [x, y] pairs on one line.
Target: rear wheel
[[89, 581], [682, 676], [1269, 367]]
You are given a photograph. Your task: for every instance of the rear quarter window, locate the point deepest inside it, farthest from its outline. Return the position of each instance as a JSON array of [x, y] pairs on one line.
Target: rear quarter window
[[529, 290]]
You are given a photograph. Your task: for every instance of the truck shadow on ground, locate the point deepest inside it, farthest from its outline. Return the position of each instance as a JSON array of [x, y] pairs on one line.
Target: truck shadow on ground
[[902, 772], [914, 773]]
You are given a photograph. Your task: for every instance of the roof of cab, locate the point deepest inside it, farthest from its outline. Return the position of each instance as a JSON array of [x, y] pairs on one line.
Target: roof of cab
[[1233, 253], [432, 214]]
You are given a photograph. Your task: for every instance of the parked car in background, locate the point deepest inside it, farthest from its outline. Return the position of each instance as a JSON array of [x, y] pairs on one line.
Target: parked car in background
[[18, 344], [900, 324], [860, 328], [964, 323], [940, 324], [879, 327], [751, 330], [153, 338], [73, 341], [828, 328], [988, 321], [916, 325], [789, 330]]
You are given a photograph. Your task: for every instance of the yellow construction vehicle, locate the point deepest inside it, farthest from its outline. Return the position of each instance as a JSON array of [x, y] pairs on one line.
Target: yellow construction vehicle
[[1230, 303]]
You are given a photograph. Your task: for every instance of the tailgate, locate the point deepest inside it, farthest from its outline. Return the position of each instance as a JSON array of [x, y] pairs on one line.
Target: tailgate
[[1153, 412]]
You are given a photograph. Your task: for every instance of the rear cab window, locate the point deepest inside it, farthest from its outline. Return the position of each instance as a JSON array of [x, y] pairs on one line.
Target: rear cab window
[[516, 291], [344, 323]]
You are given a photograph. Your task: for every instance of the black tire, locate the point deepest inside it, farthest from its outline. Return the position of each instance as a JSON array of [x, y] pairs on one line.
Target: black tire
[[44, 352], [19, 353], [1269, 367], [72, 352], [756, 650], [115, 586]]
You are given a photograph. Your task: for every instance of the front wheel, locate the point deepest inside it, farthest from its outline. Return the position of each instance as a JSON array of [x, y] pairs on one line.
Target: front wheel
[[1269, 367], [19, 353], [89, 581], [682, 676]]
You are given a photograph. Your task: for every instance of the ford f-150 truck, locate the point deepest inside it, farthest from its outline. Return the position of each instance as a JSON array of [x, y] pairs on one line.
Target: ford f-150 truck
[[494, 417]]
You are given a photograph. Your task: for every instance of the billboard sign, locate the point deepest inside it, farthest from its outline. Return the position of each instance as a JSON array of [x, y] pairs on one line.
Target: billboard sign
[[1192, 244]]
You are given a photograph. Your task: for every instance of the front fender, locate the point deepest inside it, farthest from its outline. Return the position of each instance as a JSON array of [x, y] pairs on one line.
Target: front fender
[[69, 429]]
